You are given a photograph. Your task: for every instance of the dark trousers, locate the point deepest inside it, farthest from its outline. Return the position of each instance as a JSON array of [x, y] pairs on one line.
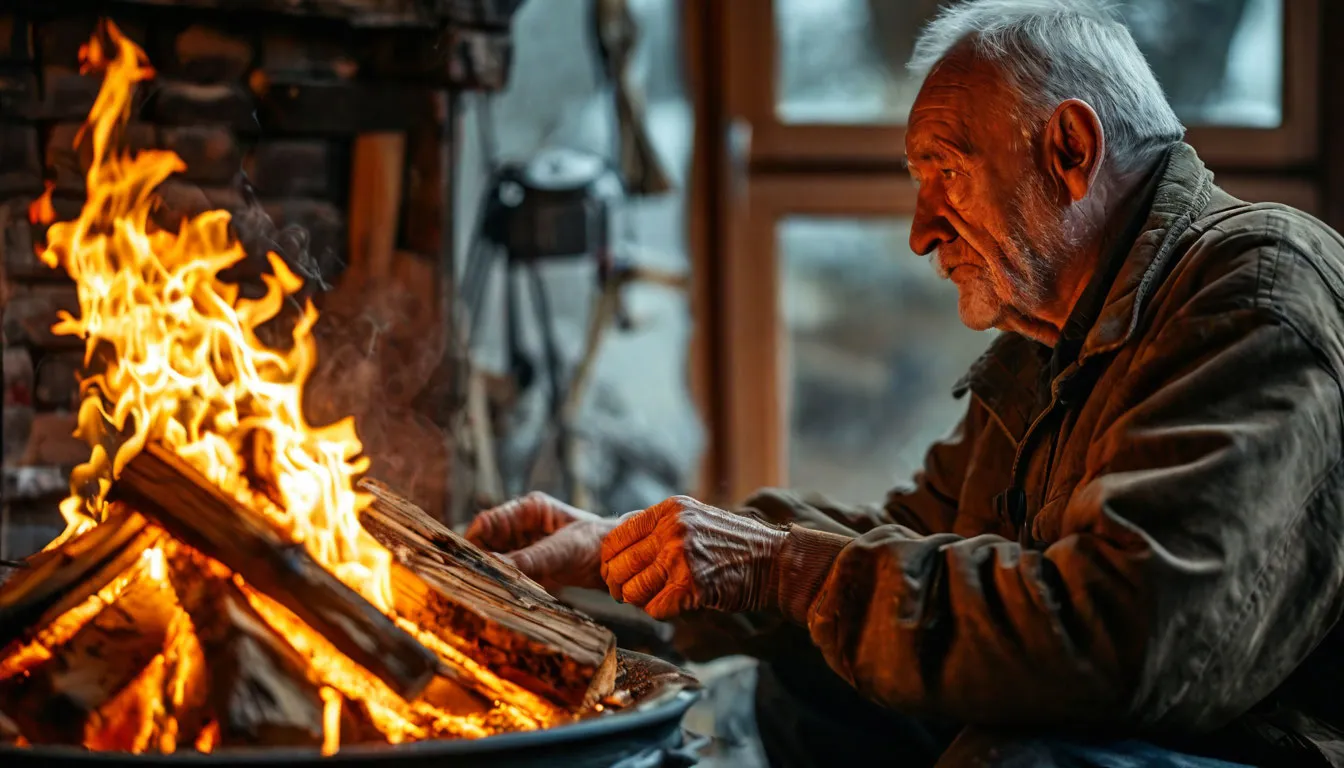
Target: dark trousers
[[809, 717]]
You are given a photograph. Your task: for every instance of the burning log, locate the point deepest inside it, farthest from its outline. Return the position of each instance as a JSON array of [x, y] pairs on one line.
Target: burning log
[[185, 710], [9, 731], [195, 612], [166, 488], [59, 579], [55, 701], [259, 687], [489, 610], [126, 723]]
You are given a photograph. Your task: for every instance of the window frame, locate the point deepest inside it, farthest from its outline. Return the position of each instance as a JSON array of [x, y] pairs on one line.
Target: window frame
[[751, 25], [756, 427]]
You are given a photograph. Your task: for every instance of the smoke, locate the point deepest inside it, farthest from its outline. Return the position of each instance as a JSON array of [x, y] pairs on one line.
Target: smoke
[[257, 231], [379, 341]]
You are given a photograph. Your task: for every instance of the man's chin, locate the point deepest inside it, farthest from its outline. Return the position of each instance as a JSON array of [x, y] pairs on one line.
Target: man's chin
[[976, 313]]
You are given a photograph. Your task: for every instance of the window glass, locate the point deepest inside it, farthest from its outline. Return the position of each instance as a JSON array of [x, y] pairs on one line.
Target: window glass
[[873, 347], [843, 61]]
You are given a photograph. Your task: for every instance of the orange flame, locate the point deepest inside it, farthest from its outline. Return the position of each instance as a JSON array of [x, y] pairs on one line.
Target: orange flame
[[175, 358], [178, 357]]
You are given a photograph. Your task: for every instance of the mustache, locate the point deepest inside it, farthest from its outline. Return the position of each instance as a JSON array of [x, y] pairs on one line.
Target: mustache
[[942, 262]]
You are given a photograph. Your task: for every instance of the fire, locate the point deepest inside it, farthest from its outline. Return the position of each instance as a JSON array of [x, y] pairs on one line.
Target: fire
[[176, 355]]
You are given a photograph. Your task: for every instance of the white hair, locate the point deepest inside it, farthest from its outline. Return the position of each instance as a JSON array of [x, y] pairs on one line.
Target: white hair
[[1055, 50]]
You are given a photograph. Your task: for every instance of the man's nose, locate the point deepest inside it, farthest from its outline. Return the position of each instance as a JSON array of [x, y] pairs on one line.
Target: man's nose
[[930, 229]]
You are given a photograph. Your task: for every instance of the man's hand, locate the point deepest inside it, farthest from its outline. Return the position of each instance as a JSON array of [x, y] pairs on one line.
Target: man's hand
[[551, 542], [681, 555]]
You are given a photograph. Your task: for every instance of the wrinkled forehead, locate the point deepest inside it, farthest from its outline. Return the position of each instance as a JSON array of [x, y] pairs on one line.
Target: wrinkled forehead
[[965, 104]]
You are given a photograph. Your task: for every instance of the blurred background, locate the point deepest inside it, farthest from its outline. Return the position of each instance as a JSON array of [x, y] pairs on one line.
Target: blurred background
[[672, 234]]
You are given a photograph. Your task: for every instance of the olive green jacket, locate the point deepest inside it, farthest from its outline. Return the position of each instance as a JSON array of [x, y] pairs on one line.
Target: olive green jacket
[[1141, 530]]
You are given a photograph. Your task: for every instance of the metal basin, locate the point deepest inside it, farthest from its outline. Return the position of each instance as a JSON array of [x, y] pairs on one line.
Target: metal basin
[[645, 734]]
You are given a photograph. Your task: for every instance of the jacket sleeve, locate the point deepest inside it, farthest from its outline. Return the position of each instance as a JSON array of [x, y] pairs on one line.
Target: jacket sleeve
[[1198, 560], [927, 505]]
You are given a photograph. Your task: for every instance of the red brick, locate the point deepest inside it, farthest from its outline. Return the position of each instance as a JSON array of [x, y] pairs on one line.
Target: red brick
[[55, 384], [285, 55], [179, 199], [31, 311], [291, 168], [52, 442], [210, 152], [16, 242], [211, 55], [19, 93], [20, 160], [66, 94], [18, 377], [180, 103], [59, 38], [17, 427], [16, 39], [69, 164]]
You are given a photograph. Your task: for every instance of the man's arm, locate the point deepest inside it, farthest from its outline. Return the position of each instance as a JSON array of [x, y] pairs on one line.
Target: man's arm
[[1196, 566], [926, 506]]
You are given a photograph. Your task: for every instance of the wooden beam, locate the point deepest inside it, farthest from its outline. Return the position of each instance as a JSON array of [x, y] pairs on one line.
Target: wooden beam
[[375, 203]]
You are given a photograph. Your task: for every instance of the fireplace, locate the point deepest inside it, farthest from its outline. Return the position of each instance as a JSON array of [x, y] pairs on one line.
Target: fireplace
[[328, 128], [230, 580]]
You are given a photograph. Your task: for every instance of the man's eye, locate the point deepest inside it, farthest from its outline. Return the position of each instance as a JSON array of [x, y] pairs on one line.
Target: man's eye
[[949, 174]]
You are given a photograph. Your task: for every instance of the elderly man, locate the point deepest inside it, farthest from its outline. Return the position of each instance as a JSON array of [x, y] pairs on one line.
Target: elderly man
[[1135, 536]]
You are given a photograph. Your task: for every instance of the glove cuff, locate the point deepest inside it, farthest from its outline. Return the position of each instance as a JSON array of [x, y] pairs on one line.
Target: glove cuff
[[804, 561]]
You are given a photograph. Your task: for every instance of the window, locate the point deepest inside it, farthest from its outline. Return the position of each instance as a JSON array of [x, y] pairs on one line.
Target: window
[[843, 61], [872, 346], [837, 352]]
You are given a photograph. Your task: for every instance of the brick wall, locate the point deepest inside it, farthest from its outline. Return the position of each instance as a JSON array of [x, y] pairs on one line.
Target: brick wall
[[265, 110]]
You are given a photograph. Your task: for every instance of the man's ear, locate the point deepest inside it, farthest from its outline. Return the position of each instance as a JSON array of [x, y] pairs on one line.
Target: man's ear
[[1074, 147]]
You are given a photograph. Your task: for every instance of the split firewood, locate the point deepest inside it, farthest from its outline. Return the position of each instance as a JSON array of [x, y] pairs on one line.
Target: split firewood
[[54, 702], [357, 726], [186, 710], [126, 723], [259, 687], [489, 610], [165, 488], [61, 579], [9, 731]]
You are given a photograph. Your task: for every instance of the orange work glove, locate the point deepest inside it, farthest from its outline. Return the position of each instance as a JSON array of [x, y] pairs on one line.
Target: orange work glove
[[682, 555], [548, 540]]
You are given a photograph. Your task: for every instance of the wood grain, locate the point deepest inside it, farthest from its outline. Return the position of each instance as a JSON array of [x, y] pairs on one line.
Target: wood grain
[[166, 489], [259, 688], [488, 609], [60, 579], [55, 700]]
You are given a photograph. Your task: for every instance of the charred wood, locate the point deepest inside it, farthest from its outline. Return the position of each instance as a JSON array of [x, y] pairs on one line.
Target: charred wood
[[58, 580], [167, 489], [259, 687], [55, 701]]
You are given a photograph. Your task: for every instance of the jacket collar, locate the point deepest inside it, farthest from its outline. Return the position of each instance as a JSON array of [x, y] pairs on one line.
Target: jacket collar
[[1008, 377], [1182, 193]]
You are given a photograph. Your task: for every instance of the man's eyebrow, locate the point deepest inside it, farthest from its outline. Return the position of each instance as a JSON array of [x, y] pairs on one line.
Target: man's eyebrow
[[926, 155]]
